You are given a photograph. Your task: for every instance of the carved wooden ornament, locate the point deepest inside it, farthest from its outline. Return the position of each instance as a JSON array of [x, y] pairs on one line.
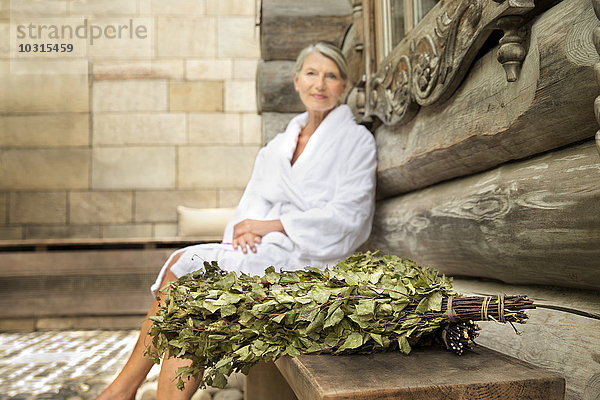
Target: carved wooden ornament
[[430, 62]]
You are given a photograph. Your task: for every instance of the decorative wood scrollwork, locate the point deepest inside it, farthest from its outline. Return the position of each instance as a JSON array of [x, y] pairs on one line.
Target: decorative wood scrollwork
[[429, 63], [596, 37]]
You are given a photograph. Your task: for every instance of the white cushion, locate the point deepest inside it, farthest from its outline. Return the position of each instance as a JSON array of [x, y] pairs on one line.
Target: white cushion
[[203, 222]]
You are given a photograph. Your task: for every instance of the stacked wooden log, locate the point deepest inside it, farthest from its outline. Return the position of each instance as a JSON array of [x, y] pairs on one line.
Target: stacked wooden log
[[287, 26]]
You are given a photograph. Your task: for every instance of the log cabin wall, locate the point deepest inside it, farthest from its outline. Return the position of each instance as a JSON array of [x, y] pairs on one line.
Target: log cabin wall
[[287, 26], [497, 185], [451, 193]]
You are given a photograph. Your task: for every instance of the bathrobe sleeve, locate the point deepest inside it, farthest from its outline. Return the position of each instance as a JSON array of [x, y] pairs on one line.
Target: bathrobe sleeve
[[252, 204], [344, 222]]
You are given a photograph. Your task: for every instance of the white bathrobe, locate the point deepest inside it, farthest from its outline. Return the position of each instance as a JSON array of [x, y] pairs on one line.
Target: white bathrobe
[[325, 201]]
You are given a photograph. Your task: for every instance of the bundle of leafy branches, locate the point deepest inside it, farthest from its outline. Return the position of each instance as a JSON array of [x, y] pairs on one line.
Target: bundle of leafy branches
[[367, 303]]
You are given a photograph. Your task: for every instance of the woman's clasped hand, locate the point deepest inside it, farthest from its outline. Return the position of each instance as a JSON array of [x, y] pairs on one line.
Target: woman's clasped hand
[[249, 232]]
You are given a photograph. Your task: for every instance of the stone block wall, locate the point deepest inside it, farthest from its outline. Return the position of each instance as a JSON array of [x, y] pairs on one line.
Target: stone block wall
[[107, 140]]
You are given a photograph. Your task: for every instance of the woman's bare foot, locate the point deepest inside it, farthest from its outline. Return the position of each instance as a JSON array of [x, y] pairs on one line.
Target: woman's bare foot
[[111, 393]]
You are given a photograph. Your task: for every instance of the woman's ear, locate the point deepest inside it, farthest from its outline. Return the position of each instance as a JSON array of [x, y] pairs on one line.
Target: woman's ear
[[295, 82]]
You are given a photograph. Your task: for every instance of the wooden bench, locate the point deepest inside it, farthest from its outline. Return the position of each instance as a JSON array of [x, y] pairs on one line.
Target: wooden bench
[[427, 373], [81, 283]]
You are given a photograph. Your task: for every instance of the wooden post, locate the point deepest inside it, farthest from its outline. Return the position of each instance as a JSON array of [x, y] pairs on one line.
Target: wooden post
[[265, 382]]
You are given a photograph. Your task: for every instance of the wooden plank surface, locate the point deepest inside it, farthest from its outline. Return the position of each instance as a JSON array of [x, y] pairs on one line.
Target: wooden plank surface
[[287, 26], [489, 121], [275, 88], [562, 340], [427, 373], [528, 222], [7, 245], [274, 123], [85, 262], [71, 283], [265, 382]]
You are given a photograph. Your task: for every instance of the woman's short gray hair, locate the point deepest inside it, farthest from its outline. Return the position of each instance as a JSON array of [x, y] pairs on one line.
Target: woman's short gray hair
[[328, 50]]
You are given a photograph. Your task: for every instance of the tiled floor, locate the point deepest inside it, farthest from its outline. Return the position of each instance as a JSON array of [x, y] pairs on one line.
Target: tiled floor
[[61, 364]]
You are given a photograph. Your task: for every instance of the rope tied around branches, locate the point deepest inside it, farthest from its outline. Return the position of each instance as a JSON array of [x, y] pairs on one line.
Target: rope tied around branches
[[449, 311], [485, 314], [501, 317]]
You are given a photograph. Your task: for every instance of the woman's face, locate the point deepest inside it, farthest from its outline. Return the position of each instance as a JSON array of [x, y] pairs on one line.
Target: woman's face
[[319, 83]]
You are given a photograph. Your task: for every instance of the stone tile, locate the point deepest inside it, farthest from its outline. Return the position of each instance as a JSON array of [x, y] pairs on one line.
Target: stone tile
[[229, 394], [127, 231], [240, 96], [215, 166], [36, 8], [61, 232], [4, 39], [17, 324], [231, 7], [3, 208], [211, 69], [33, 87], [11, 233], [139, 128], [5, 9], [196, 96], [66, 364], [121, 38], [51, 130], [230, 197], [133, 168], [245, 69], [153, 69], [237, 37], [202, 394], [186, 37], [130, 95], [161, 206], [251, 129], [100, 207], [214, 128], [79, 323], [236, 381], [165, 230], [38, 208], [45, 169], [103, 7], [178, 7]]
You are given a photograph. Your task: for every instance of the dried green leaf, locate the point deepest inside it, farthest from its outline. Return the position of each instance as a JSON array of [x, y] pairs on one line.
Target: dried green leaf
[[404, 345], [365, 307], [354, 340]]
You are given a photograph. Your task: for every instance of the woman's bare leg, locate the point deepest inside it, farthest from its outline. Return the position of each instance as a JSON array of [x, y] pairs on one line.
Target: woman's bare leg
[[167, 389], [137, 367]]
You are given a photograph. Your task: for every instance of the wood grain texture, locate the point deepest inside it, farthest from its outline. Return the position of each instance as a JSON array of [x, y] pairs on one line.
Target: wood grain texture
[[265, 382], [428, 64], [275, 88], [427, 373], [70, 283], [489, 121], [534, 221], [559, 341], [287, 26], [274, 123]]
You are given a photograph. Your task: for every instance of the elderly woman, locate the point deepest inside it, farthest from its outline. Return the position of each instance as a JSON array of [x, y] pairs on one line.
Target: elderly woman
[[309, 202]]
